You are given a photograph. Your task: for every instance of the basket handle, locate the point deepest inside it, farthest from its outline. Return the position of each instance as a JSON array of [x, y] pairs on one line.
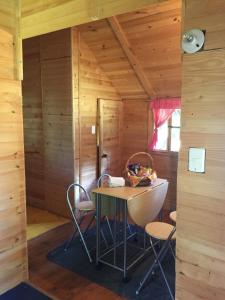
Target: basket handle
[[139, 153]]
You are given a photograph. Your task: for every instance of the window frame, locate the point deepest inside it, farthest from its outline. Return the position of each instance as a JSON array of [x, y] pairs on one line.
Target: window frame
[[170, 127]]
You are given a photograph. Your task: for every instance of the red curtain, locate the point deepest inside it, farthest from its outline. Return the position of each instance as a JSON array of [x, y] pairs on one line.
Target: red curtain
[[162, 110]]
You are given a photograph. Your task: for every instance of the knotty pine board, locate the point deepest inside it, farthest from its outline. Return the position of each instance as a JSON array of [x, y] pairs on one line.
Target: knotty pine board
[[200, 266], [13, 245]]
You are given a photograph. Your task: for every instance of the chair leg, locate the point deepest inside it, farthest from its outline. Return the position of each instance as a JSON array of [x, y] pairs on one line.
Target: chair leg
[[81, 236], [161, 268], [172, 251], [89, 224], [70, 241], [147, 275], [156, 263], [73, 236]]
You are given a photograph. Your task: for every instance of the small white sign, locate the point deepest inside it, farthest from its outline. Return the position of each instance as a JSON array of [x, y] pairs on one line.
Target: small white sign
[[196, 161], [93, 129]]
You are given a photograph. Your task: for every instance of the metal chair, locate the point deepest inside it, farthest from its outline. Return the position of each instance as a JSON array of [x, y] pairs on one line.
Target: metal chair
[[161, 232], [83, 208], [104, 175]]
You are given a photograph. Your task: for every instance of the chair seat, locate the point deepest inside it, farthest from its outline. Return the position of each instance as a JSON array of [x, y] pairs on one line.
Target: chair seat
[[85, 205], [160, 230], [173, 216]]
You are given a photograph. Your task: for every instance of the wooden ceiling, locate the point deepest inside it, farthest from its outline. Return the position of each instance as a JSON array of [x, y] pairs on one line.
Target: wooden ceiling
[[140, 51]]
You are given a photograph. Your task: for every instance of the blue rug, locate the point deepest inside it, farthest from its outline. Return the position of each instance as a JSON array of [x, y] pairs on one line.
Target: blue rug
[[75, 260], [23, 291]]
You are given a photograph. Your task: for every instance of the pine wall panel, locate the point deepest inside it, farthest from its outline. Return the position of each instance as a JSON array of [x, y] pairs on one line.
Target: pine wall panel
[[13, 246], [93, 84], [201, 204], [47, 101], [61, 89], [33, 123]]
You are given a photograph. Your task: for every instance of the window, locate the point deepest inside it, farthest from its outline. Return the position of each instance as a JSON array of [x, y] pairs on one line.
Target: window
[[169, 133]]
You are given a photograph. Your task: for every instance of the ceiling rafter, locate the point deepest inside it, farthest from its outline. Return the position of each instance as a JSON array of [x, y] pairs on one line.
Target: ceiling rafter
[[119, 33]]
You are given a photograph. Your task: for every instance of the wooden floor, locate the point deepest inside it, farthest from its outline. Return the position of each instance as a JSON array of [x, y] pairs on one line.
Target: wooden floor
[[55, 280], [40, 221]]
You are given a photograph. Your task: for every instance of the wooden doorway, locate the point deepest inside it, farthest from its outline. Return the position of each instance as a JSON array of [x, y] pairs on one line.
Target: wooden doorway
[[109, 133]]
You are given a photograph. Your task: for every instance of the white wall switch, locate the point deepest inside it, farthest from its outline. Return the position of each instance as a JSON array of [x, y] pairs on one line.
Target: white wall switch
[[196, 160], [93, 129]]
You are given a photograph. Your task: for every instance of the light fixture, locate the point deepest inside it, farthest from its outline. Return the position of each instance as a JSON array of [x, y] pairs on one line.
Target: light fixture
[[193, 40]]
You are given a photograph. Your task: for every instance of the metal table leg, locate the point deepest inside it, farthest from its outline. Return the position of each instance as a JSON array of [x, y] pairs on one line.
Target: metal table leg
[[98, 227], [115, 231], [125, 241]]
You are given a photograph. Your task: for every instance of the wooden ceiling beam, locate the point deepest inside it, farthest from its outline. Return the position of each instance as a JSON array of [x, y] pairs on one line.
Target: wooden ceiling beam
[[119, 33], [39, 17]]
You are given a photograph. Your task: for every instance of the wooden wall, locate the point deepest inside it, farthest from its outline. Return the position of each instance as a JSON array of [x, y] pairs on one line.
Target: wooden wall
[[13, 256], [56, 84], [201, 203], [136, 136], [112, 59], [60, 92], [92, 84], [47, 100], [154, 37], [33, 123]]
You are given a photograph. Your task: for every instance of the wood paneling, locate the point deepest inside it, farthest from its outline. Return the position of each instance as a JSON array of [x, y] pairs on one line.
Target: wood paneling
[[40, 17], [47, 93], [147, 54], [112, 59], [93, 84], [154, 37], [135, 134], [7, 55], [58, 134], [13, 256], [12, 200], [200, 219], [59, 142], [124, 43], [10, 14], [33, 123]]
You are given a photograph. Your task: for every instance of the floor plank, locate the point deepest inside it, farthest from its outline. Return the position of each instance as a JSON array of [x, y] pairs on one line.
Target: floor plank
[[40, 221], [55, 280]]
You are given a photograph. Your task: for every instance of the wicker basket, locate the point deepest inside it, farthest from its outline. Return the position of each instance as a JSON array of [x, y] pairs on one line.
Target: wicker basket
[[145, 160]]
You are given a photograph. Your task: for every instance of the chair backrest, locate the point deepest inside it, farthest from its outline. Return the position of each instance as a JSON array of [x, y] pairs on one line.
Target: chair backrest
[[103, 176], [144, 208], [70, 196]]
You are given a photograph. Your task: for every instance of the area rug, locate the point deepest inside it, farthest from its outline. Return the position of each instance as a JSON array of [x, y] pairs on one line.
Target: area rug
[[24, 291], [75, 260]]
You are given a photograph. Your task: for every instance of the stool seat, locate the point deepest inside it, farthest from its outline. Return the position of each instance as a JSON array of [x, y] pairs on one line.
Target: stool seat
[[160, 230], [173, 216], [85, 205]]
